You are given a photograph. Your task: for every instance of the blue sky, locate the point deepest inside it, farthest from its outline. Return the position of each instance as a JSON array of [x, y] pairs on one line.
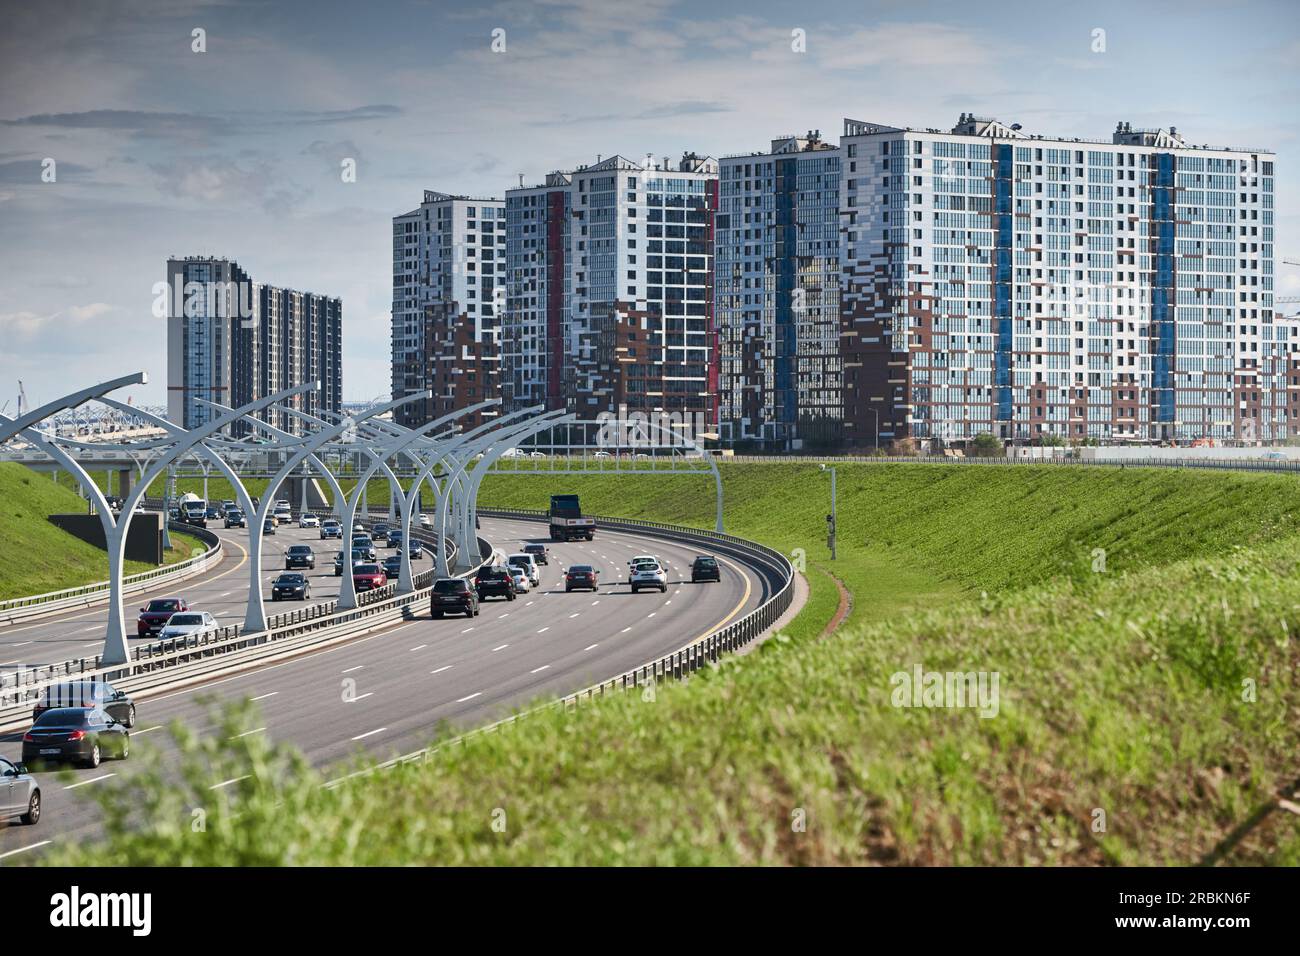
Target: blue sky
[[236, 151]]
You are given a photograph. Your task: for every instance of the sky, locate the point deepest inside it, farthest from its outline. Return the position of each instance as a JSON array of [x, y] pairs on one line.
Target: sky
[[237, 150]]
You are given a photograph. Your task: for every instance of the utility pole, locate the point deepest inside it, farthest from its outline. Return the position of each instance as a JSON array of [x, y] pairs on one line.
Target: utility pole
[[830, 518]]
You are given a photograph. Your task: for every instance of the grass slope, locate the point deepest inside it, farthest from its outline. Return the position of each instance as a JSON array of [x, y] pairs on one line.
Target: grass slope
[[44, 558], [1161, 692]]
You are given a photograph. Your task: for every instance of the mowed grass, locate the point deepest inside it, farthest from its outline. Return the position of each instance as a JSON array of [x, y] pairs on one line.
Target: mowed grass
[[42, 558], [1145, 708]]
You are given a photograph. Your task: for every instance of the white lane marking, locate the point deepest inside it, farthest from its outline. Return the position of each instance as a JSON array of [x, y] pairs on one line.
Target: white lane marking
[[591, 647], [226, 594], [444, 667], [500, 616], [500, 647], [476, 693], [625, 630], [83, 783], [89, 629], [572, 616], [361, 697], [537, 669], [545, 629], [226, 783], [249, 733], [669, 601], [147, 730], [652, 614], [594, 603], [24, 849], [264, 696], [14, 661], [23, 644], [95, 644], [419, 647], [467, 630], [529, 604], [351, 669], [369, 733]]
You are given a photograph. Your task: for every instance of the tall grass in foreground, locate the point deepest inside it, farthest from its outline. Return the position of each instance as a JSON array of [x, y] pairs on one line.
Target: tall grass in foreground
[[1161, 701]]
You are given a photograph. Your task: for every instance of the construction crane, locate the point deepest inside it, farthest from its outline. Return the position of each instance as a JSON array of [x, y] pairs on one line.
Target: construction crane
[[24, 406]]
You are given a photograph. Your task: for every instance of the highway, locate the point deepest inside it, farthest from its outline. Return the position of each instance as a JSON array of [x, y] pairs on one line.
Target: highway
[[221, 590], [384, 694]]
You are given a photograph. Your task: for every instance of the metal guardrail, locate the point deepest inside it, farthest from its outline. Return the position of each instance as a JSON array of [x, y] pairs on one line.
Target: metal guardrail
[[1223, 464], [678, 665], [143, 653], [201, 657], [14, 610]]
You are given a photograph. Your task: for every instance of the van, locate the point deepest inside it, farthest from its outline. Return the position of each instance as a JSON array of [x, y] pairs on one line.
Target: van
[[529, 566]]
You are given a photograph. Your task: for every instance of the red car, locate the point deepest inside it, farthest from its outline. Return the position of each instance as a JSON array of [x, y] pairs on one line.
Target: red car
[[367, 577], [155, 614]]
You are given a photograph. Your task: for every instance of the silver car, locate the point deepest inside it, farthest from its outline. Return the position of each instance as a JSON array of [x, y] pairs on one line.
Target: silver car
[[648, 574], [19, 795]]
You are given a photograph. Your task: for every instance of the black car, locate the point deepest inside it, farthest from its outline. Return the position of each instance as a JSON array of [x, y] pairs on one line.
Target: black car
[[581, 577], [214, 513], [538, 551], [82, 734], [291, 586], [393, 565], [299, 556], [417, 551], [393, 537], [98, 695], [236, 519], [705, 568], [494, 582], [454, 596], [380, 530]]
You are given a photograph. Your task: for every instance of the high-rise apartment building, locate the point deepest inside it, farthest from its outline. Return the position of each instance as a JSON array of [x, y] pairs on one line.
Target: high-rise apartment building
[[610, 289], [1027, 286], [232, 340], [448, 285], [777, 296]]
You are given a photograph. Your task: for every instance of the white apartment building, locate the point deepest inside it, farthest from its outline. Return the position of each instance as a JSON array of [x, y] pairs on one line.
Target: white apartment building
[[1026, 285]]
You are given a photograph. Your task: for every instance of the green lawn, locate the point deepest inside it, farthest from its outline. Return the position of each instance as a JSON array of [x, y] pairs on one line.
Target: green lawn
[[1146, 704], [43, 558]]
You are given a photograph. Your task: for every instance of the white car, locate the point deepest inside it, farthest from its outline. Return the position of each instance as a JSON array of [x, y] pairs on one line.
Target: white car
[[520, 577], [602, 454], [425, 521], [646, 558], [536, 454], [525, 560], [648, 574], [309, 521], [188, 623]]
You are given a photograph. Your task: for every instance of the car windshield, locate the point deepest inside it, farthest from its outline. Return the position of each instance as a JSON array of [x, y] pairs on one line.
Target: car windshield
[[535, 548], [290, 579], [300, 549], [62, 717], [366, 569], [449, 586], [177, 619], [164, 605], [331, 524]]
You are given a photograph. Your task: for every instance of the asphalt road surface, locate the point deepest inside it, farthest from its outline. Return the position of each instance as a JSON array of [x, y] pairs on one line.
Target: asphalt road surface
[[221, 590], [385, 693]]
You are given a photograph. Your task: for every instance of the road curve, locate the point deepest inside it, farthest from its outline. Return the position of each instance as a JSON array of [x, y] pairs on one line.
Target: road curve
[[403, 681]]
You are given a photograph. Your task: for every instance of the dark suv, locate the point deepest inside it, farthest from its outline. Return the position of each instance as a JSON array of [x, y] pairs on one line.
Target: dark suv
[[705, 568], [538, 551], [453, 595], [494, 582]]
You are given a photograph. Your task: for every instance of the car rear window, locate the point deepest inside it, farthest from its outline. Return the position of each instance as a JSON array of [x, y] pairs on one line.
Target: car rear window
[[450, 586], [705, 562], [580, 569], [63, 717]]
